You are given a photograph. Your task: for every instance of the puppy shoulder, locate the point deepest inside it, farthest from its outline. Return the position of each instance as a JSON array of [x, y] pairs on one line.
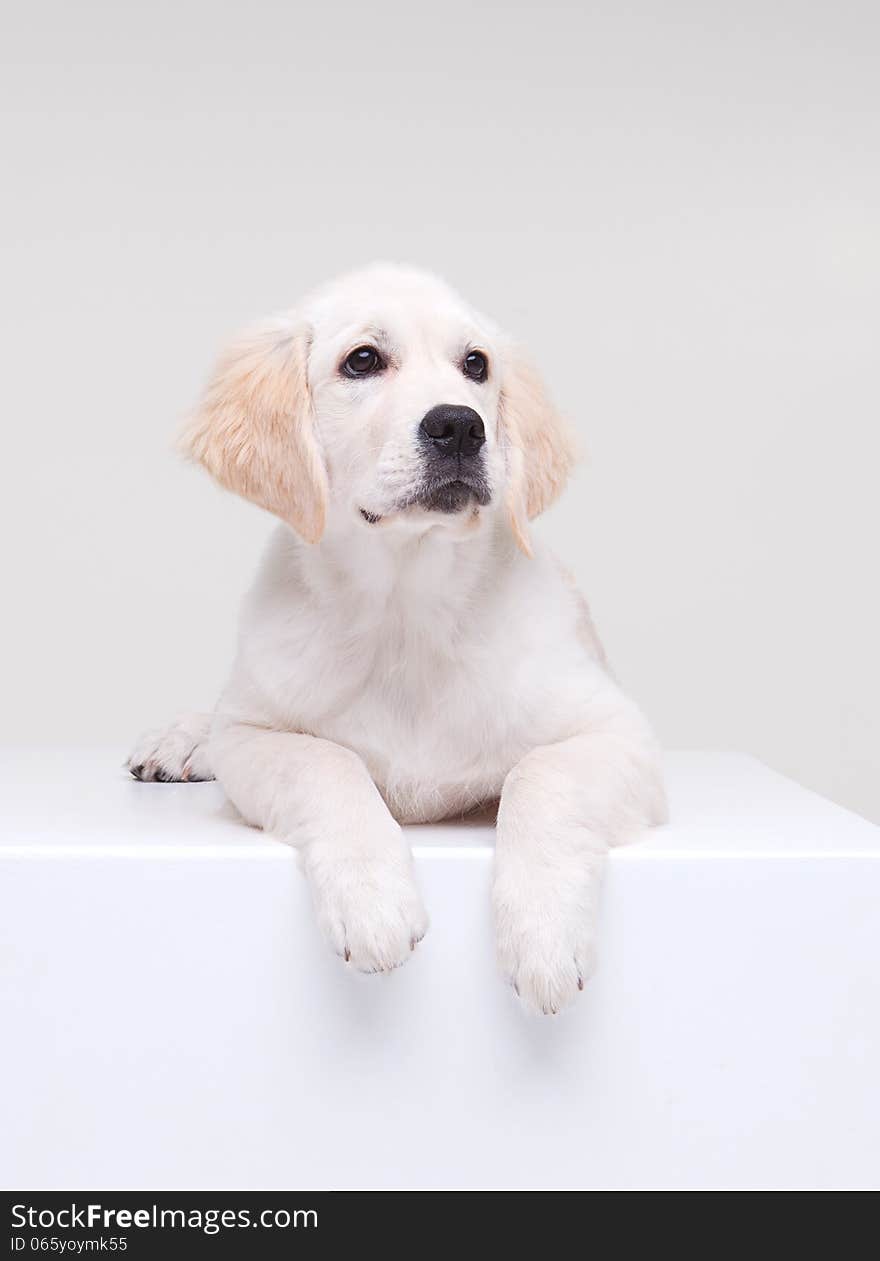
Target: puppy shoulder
[[279, 572], [547, 584]]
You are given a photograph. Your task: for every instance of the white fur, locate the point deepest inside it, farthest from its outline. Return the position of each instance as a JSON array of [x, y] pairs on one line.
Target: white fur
[[416, 668]]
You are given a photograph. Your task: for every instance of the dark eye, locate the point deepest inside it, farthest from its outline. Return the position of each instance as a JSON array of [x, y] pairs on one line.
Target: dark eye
[[475, 366], [363, 362]]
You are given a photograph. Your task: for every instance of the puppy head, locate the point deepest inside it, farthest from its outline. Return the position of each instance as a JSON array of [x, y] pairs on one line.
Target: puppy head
[[382, 403]]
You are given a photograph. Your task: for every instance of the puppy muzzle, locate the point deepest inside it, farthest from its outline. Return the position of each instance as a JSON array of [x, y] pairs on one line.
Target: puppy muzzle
[[452, 440], [453, 474]]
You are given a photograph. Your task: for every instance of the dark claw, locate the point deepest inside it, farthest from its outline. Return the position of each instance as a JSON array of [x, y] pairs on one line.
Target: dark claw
[[137, 771]]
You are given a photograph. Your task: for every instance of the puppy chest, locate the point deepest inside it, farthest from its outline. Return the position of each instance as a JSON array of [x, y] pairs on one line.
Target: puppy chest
[[429, 722]]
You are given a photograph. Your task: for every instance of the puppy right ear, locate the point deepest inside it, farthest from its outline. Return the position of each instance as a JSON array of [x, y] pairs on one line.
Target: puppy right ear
[[254, 431], [541, 446]]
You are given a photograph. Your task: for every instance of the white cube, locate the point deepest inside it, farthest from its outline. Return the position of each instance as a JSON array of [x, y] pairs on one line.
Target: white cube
[[172, 1019]]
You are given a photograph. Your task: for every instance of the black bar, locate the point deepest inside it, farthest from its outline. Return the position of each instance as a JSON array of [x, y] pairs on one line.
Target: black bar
[[135, 1224]]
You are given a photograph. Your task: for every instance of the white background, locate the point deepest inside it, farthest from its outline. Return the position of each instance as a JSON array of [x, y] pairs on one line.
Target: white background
[[676, 205]]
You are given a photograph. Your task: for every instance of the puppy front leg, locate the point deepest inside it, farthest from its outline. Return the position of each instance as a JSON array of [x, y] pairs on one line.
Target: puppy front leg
[[561, 807], [318, 797]]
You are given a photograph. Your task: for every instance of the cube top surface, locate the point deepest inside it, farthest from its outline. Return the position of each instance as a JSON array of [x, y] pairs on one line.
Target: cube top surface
[[83, 801]]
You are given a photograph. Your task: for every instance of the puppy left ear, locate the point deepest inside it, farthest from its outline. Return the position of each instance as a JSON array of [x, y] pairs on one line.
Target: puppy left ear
[[253, 430], [541, 447]]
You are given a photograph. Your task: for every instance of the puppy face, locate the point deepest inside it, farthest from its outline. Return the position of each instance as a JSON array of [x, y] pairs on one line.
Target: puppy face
[[384, 402], [405, 383]]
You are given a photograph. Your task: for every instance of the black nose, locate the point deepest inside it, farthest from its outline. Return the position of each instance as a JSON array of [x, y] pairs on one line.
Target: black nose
[[453, 430]]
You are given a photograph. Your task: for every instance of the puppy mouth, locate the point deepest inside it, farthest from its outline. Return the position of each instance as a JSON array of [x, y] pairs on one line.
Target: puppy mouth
[[450, 495], [440, 494]]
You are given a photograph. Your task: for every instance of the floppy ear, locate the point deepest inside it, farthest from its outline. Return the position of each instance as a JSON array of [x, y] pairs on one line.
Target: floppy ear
[[253, 430], [541, 448]]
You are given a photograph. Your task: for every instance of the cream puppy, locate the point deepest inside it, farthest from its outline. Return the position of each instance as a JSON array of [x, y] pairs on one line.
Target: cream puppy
[[407, 652]]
